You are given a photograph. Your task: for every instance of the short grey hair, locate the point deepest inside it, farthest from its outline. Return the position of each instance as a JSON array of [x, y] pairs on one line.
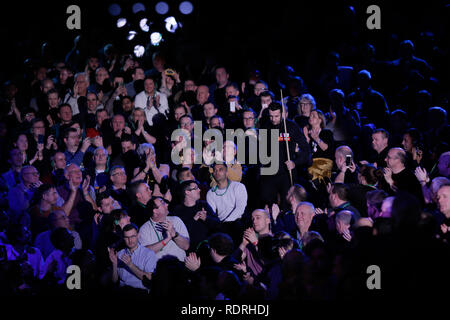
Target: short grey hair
[[310, 98], [145, 146]]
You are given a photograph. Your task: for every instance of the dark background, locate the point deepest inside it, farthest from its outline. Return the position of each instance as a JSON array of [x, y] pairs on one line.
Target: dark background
[[241, 34]]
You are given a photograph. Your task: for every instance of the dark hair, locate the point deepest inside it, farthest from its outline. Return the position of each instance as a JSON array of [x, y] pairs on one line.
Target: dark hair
[[129, 227], [64, 105], [375, 198], [128, 137], [185, 185], [60, 239], [181, 106], [371, 173], [187, 116], [151, 205], [36, 120], [267, 93], [118, 214], [222, 243], [416, 136], [382, 131], [249, 110], [69, 130], [134, 186], [274, 106], [341, 190], [234, 85], [299, 193], [102, 196], [41, 191], [180, 171]]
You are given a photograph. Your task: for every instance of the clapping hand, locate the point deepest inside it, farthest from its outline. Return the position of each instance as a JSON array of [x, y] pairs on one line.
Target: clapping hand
[[421, 175], [192, 262], [250, 235], [200, 215]]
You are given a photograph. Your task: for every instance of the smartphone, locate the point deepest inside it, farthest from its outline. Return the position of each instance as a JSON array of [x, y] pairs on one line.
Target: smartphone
[[348, 160], [41, 138], [233, 106]]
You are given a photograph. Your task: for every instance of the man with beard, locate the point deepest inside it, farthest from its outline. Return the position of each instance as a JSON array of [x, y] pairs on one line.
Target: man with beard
[[299, 152]]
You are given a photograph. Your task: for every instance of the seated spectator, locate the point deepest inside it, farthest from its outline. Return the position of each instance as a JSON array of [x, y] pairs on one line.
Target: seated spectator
[[56, 219], [200, 220], [164, 234], [132, 264]]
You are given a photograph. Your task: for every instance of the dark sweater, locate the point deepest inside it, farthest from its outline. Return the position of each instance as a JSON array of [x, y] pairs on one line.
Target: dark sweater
[[198, 230]]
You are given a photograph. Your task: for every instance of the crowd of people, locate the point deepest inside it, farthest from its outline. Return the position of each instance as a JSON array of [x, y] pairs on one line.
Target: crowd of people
[[88, 179]]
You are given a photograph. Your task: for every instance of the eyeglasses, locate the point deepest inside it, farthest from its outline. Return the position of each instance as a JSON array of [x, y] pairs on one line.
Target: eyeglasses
[[249, 118], [194, 188], [33, 173], [39, 127]]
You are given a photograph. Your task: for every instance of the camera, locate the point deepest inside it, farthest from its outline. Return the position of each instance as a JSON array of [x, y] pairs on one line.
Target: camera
[[41, 138]]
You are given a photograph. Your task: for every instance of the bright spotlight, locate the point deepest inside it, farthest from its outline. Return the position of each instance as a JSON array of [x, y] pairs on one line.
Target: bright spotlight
[[131, 35], [114, 9], [162, 7], [186, 7], [144, 26], [156, 38], [139, 51], [121, 22], [171, 24], [138, 7]]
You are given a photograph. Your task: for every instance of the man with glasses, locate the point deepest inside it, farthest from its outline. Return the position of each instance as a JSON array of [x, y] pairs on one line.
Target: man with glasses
[[20, 196], [397, 177], [132, 264], [163, 234], [118, 188], [200, 220]]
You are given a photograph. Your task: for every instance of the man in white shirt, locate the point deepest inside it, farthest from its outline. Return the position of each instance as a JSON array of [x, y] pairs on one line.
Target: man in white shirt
[[152, 101], [229, 200], [163, 234], [80, 89]]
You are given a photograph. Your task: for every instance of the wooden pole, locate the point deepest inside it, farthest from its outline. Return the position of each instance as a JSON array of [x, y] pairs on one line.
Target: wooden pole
[[285, 136]]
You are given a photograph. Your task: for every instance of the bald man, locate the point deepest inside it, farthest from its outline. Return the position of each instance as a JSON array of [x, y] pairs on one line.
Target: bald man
[[397, 177], [247, 250]]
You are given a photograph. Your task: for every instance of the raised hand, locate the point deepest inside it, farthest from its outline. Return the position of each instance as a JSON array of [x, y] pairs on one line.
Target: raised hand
[[250, 235], [346, 235], [86, 185], [112, 256], [85, 145], [388, 176], [240, 266], [192, 262], [275, 211], [282, 252], [126, 259], [421, 175]]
